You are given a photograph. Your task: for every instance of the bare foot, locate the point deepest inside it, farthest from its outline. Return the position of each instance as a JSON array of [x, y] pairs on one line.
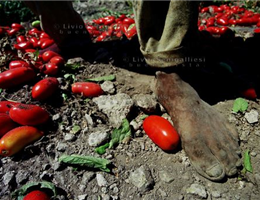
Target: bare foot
[[208, 139]]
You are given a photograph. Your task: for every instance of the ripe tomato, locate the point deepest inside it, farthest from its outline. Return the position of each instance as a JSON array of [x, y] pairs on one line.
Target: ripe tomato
[[34, 32], [47, 55], [16, 76], [12, 32], [36, 195], [23, 45], [30, 115], [5, 106], [161, 132], [250, 93], [109, 20], [51, 69], [45, 88], [44, 35], [20, 38], [88, 89], [6, 124], [128, 21], [57, 60], [222, 21], [17, 26], [34, 42], [18, 63], [46, 43]]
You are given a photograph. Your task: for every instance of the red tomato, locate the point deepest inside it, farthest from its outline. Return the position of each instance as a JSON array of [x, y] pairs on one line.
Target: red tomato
[[16, 76], [2, 31], [51, 69], [232, 21], [250, 93], [18, 63], [34, 41], [30, 50], [257, 30], [36, 195], [12, 32], [20, 38], [128, 21], [44, 35], [57, 60], [222, 21], [101, 37], [205, 9], [99, 21], [109, 20], [45, 88], [88, 89], [34, 32], [122, 16], [23, 45], [46, 43], [47, 55], [30, 115], [201, 28], [161, 132], [210, 21], [6, 124], [132, 32], [5, 106], [17, 26]]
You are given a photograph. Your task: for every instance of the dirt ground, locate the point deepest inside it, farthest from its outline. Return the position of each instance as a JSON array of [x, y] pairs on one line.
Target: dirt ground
[[140, 169]]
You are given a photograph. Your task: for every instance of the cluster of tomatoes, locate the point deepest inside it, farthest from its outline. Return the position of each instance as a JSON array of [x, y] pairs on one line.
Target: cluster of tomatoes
[[111, 26], [220, 17]]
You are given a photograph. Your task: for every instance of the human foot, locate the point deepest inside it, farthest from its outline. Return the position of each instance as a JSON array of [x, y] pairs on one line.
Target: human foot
[[208, 139]]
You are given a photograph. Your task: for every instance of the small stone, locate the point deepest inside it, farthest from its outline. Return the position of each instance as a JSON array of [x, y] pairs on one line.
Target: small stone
[[99, 137], [61, 147], [87, 177], [108, 87], [56, 117], [69, 137], [75, 60], [104, 190], [146, 102], [8, 177], [198, 190], [162, 193], [142, 179], [82, 197], [56, 166], [46, 176], [216, 194], [253, 154], [89, 120], [252, 116], [22, 176], [166, 176], [244, 135], [257, 133], [105, 197], [101, 181]]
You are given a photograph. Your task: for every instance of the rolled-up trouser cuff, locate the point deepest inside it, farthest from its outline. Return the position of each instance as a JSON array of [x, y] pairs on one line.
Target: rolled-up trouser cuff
[[165, 59]]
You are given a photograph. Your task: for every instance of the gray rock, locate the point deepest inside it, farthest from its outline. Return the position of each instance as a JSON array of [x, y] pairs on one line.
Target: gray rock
[[82, 197], [56, 117], [61, 147], [146, 102], [87, 177], [198, 190], [101, 181], [108, 87], [56, 166], [252, 116], [8, 177], [46, 176], [69, 137], [216, 194], [105, 197], [116, 107], [89, 120], [22, 176], [75, 60], [166, 176], [98, 137], [142, 178]]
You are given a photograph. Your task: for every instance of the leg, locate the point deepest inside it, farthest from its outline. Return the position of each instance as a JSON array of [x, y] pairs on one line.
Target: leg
[[207, 138]]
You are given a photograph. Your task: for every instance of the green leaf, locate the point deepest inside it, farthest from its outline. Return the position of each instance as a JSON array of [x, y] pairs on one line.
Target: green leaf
[[1, 90], [64, 96], [75, 129], [86, 161], [102, 149], [247, 162], [73, 66], [19, 193], [117, 136], [36, 23], [102, 78], [240, 104]]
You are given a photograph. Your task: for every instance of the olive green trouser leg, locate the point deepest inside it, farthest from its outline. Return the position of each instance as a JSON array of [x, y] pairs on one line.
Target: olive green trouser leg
[[61, 22], [167, 30]]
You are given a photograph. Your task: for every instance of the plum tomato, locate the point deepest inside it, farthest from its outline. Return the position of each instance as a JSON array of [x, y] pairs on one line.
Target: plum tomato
[[5, 106], [88, 89], [161, 132], [57, 60], [50, 69], [6, 124], [18, 63], [47, 55]]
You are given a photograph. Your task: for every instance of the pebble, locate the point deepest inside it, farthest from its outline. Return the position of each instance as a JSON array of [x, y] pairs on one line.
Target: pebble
[[216, 194], [244, 135], [46, 176], [56, 166], [75, 60], [146, 102], [8, 177], [105, 197], [142, 178], [252, 116], [56, 117], [87, 177], [197, 189], [101, 181], [162, 193], [61, 147], [108, 87], [82, 197], [69, 137], [89, 120], [116, 107], [166, 176], [22, 176], [98, 137]]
